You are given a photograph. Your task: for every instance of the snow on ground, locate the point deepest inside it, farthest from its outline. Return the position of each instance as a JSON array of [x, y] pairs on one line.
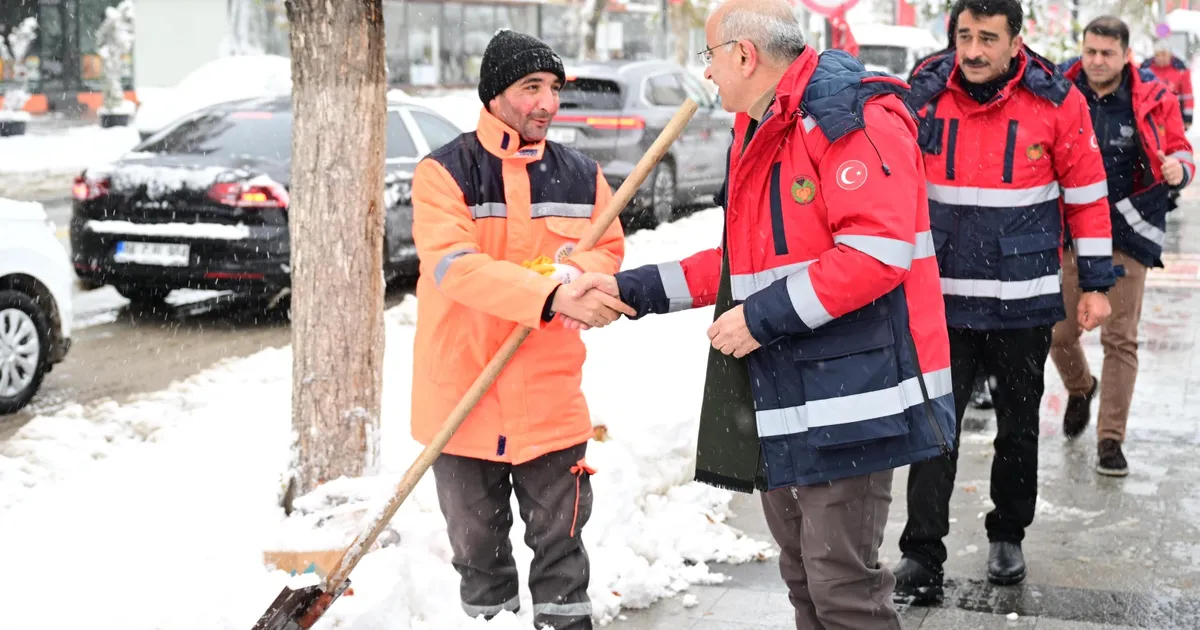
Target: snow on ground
[[154, 514], [67, 152]]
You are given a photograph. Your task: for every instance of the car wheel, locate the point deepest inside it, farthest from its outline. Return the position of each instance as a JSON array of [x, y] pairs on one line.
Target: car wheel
[[662, 195], [24, 349]]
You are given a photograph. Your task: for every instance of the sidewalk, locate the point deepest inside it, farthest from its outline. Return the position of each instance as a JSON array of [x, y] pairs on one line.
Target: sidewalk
[[1103, 553]]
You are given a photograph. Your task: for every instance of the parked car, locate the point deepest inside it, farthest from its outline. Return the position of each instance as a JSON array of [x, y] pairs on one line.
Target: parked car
[[221, 80], [35, 301], [203, 204], [894, 49], [613, 111]]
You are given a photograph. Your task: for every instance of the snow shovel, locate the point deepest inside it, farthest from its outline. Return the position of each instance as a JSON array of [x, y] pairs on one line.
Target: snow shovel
[[301, 608]]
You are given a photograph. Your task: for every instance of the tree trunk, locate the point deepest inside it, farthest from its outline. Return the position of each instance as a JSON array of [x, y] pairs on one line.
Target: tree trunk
[[593, 25], [336, 227], [681, 24]]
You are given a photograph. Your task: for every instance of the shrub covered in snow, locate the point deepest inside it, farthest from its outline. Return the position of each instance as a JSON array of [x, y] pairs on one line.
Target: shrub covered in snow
[[13, 55], [115, 37]]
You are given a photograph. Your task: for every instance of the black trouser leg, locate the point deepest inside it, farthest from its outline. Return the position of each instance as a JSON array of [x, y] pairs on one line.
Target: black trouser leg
[[931, 482], [1017, 360]]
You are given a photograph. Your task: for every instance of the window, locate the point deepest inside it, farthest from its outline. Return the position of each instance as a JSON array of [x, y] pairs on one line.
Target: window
[[399, 142], [590, 94], [665, 90], [697, 91], [437, 131], [263, 134]]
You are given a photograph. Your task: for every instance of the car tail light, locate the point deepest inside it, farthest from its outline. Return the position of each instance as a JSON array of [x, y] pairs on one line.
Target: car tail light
[[87, 189], [249, 195], [606, 122]]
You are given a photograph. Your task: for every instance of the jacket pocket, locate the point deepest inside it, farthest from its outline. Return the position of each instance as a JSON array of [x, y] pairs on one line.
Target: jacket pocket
[[1030, 274], [851, 378], [568, 227]]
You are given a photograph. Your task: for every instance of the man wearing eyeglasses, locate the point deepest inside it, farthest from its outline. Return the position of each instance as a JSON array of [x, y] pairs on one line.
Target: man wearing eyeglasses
[[830, 338]]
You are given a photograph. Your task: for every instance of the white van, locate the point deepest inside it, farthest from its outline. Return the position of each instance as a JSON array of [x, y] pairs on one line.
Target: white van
[[36, 280], [893, 49]]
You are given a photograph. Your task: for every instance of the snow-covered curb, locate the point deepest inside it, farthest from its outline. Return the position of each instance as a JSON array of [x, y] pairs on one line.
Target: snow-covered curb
[[137, 509]]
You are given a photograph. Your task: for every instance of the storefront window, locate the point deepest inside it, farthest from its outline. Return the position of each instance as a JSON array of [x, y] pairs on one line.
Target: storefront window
[[424, 42], [396, 34]]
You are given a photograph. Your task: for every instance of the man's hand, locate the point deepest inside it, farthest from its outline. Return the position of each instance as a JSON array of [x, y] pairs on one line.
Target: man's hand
[[1172, 169], [590, 301], [730, 335], [1093, 310]]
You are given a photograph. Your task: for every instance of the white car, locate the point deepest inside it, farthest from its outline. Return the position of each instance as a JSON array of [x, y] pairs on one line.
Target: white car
[[222, 80], [36, 280]]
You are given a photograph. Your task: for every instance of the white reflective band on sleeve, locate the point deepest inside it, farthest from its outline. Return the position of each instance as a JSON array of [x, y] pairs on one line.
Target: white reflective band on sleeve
[[579, 609], [804, 300], [991, 197], [1012, 290], [743, 285], [489, 210], [1086, 194], [809, 123], [1183, 156], [888, 251], [443, 265], [553, 209], [853, 408], [1187, 112], [1138, 224], [924, 247], [1093, 246], [511, 605], [675, 286]]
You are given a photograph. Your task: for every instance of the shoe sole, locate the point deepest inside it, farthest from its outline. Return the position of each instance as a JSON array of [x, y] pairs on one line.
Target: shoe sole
[[1113, 472], [1006, 580]]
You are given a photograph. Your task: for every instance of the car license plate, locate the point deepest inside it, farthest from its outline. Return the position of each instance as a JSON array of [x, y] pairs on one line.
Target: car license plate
[[561, 135], [161, 254]]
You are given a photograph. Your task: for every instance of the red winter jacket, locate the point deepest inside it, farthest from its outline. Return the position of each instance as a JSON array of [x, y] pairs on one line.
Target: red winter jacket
[[829, 250], [1178, 77], [1004, 177]]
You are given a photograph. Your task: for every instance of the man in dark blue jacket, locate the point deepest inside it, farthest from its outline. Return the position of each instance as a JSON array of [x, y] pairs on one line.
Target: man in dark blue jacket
[[1146, 156]]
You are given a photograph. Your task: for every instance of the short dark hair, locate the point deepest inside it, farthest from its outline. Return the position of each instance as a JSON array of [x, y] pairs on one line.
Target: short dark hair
[[1010, 9], [1109, 26]]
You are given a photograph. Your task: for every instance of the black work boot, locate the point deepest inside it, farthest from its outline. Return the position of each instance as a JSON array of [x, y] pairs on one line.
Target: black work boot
[[916, 584], [1111, 460], [1079, 411], [981, 397], [1006, 564]]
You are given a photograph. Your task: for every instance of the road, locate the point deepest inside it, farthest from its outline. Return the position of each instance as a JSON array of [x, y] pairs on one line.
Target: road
[[116, 354]]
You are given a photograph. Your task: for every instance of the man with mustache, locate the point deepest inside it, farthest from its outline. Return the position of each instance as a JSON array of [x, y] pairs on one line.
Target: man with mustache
[[496, 215], [1146, 156], [1010, 157]]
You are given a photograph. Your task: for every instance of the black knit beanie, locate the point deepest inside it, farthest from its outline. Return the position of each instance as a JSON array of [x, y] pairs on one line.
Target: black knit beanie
[[509, 57]]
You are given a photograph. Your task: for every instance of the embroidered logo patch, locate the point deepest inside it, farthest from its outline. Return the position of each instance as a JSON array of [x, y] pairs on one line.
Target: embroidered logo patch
[[1095, 144], [851, 175], [1035, 152], [563, 252], [804, 190]]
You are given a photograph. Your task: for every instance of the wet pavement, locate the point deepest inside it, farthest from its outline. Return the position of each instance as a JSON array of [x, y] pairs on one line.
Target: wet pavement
[[1102, 552]]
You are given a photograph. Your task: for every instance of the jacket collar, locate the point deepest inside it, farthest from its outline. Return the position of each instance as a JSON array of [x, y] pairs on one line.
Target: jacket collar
[[502, 141], [1144, 88], [1036, 74]]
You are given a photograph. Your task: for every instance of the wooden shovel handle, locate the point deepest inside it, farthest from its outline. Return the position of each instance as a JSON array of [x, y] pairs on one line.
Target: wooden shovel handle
[[492, 370]]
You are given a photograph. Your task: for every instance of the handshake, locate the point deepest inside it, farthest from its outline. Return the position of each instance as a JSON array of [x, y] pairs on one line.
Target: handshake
[[591, 300]]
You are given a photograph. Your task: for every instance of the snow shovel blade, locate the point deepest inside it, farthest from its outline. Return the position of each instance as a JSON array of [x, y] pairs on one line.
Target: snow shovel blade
[[297, 609]]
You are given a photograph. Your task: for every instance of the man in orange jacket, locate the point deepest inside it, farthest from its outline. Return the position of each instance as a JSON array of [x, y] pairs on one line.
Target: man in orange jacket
[[496, 216]]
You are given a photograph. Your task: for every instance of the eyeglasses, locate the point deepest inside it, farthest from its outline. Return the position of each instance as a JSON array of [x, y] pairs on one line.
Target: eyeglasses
[[706, 55]]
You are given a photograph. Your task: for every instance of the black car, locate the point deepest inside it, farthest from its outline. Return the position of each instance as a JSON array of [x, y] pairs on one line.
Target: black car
[[203, 203], [613, 111]]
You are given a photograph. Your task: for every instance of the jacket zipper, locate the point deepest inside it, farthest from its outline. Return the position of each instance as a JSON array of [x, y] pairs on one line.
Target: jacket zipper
[[937, 428]]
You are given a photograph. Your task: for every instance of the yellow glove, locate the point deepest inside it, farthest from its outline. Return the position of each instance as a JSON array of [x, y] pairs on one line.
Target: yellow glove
[[542, 264]]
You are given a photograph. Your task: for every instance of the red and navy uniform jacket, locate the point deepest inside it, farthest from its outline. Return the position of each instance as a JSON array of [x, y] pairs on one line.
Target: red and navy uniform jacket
[[1140, 220], [1002, 179], [827, 238], [1178, 78]]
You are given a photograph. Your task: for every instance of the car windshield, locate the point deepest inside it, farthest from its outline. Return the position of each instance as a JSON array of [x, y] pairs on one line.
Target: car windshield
[[265, 134], [590, 94], [894, 58]]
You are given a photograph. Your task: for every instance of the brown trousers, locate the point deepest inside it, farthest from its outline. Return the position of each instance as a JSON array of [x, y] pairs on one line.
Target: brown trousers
[[1118, 335], [829, 535]]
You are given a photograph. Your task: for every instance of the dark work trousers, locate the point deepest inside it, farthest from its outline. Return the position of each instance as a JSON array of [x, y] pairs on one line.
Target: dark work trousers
[[554, 494], [1016, 359]]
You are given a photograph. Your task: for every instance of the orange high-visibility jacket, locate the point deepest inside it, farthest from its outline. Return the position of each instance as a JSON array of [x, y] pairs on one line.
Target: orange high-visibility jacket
[[483, 205]]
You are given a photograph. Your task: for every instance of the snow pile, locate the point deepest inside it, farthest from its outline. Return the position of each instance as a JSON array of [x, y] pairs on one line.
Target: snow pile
[[182, 230], [159, 181], [35, 166], [221, 80], [11, 210], [178, 491]]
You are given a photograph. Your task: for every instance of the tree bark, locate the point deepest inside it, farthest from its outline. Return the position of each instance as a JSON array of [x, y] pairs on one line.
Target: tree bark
[[336, 227], [593, 24]]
